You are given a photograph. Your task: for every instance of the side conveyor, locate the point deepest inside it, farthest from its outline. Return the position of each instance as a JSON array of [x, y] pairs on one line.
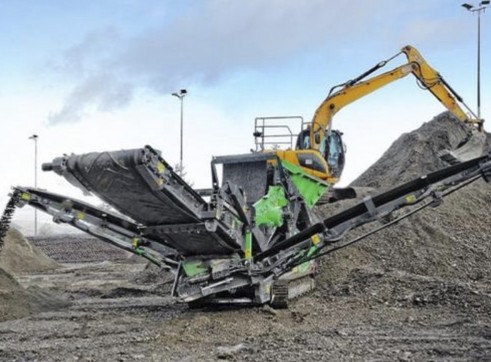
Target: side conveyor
[[142, 185]]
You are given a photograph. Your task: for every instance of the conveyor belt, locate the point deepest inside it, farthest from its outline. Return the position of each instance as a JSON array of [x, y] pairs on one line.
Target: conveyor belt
[[136, 182], [141, 185]]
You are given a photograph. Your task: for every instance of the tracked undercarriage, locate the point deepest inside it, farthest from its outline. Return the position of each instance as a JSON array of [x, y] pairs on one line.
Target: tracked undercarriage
[[252, 238]]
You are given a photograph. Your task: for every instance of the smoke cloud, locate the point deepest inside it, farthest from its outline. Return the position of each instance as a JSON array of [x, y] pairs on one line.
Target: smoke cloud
[[208, 42]]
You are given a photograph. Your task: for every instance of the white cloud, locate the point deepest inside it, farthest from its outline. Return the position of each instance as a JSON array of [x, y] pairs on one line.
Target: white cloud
[[215, 38]]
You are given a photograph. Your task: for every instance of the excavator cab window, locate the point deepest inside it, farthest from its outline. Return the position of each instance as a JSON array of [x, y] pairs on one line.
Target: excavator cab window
[[303, 140], [332, 148]]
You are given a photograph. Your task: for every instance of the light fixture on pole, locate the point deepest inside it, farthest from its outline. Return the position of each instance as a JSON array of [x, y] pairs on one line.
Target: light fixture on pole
[[478, 9], [35, 138], [181, 95]]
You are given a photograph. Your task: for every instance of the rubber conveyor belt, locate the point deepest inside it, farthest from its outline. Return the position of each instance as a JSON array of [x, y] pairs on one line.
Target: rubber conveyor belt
[[141, 185]]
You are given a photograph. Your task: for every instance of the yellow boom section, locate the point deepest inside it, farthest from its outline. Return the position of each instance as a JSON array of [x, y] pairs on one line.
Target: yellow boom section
[[434, 82], [356, 89]]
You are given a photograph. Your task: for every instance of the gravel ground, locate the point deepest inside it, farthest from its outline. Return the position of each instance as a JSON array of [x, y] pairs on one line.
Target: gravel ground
[[111, 318]]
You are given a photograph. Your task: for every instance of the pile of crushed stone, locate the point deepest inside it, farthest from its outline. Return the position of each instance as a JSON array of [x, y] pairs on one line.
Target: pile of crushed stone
[[17, 302], [452, 241], [14, 300], [417, 153], [18, 256], [80, 248], [161, 280]]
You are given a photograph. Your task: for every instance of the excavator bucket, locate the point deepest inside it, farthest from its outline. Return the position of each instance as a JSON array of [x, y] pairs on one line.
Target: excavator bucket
[[472, 147]]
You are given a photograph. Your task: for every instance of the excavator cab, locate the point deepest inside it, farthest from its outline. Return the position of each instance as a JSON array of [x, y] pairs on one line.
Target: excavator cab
[[332, 150], [325, 163]]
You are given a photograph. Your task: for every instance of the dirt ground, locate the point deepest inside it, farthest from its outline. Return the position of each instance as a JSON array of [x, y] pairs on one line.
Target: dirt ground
[[373, 315], [420, 291]]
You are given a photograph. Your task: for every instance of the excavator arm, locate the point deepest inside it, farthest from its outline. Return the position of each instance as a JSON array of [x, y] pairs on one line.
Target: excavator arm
[[357, 88]]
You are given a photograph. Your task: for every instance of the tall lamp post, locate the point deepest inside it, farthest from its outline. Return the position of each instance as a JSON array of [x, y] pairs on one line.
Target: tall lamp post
[[35, 138], [478, 9], [181, 95]]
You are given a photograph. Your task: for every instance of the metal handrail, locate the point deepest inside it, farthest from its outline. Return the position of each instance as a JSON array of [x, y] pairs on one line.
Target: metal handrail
[[261, 126]]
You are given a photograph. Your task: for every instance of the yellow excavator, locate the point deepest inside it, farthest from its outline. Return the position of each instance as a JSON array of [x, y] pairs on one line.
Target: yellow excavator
[[320, 150]]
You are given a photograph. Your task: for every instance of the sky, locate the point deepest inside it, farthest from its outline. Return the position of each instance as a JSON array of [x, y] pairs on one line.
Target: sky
[[95, 76]]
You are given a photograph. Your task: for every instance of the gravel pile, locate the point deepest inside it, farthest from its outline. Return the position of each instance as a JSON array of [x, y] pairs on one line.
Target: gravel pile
[[416, 153], [452, 241], [19, 256], [79, 248], [14, 300]]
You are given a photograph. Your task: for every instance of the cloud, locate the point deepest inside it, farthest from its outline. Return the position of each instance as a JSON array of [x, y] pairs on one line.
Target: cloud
[[210, 41], [85, 57], [436, 33], [103, 90]]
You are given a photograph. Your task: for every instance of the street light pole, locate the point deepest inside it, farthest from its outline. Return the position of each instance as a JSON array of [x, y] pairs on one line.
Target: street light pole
[[479, 9], [479, 63], [181, 95], [35, 137]]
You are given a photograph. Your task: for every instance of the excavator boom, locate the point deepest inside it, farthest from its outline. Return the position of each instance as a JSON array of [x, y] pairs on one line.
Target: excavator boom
[[355, 89], [431, 80]]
